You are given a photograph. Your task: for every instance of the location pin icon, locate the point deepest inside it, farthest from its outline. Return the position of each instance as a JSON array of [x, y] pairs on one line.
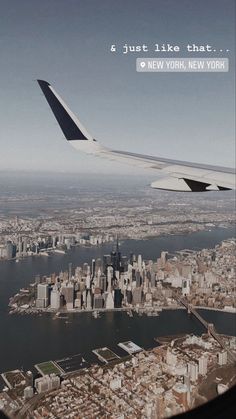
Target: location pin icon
[[142, 64]]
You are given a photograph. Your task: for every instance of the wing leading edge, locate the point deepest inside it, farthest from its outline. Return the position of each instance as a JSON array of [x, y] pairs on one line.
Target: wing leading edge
[[178, 175]]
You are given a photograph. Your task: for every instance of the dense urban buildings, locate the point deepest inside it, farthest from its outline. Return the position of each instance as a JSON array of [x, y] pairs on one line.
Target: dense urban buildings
[[205, 278], [122, 379], [169, 379], [34, 221]]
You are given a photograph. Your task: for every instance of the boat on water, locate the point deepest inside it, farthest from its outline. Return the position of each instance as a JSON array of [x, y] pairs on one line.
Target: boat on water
[[95, 314]]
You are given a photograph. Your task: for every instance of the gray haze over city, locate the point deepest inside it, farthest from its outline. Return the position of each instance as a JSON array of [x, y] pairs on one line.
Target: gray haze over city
[[183, 116]]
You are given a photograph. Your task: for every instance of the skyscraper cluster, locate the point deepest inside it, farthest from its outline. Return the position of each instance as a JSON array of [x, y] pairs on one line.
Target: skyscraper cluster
[[108, 283], [203, 278]]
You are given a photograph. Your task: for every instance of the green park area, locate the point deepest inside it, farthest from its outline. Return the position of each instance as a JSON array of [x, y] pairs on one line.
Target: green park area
[[48, 367]]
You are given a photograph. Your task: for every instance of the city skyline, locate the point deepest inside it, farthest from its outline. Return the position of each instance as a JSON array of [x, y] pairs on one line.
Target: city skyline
[[118, 281], [173, 115], [170, 375]]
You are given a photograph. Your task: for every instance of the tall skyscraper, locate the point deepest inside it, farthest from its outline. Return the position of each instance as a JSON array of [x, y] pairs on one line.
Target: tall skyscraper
[[88, 280], [129, 296], [137, 295], [10, 250], [202, 365], [55, 298], [109, 278], [78, 300], [116, 258], [193, 371], [70, 271], [98, 301], [19, 246], [109, 300], [67, 290], [25, 245], [138, 278], [103, 282], [89, 300], [106, 262], [140, 262], [42, 296], [93, 268], [118, 298]]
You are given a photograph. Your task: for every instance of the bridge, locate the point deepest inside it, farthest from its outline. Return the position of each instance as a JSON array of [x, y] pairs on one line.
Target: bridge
[[209, 326]]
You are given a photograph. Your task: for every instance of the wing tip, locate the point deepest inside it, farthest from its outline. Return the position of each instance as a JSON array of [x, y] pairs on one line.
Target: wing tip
[[43, 83]]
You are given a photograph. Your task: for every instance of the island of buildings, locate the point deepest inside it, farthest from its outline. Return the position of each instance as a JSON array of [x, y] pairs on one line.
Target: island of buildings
[[206, 278], [173, 377]]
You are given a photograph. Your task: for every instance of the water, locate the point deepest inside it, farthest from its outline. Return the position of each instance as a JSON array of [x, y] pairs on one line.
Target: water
[[26, 340]]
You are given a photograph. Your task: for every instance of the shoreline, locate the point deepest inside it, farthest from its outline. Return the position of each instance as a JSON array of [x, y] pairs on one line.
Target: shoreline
[[55, 251], [132, 310], [223, 310]]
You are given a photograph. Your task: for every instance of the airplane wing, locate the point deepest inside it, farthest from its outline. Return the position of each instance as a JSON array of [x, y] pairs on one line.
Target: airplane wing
[[178, 175]]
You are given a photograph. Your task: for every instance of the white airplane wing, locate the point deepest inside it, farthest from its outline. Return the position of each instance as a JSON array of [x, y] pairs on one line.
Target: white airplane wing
[[178, 175]]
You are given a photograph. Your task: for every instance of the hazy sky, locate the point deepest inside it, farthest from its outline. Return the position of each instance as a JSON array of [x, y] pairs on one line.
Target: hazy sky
[[67, 42]]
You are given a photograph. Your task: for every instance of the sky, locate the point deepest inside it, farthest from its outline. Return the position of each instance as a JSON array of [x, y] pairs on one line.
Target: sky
[[188, 116]]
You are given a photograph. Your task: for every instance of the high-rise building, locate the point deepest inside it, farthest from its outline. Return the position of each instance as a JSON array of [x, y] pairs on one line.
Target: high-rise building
[[124, 263], [98, 301], [186, 287], [118, 298], [98, 265], [46, 383], [109, 278], [193, 371], [89, 300], [70, 271], [109, 300], [153, 279], [180, 392], [164, 258], [67, 290], [187, 381], [129, 297], [103, 282], [78, 300], [116, 258], [202, 365], [222, 357], [140, 262], [10, 250], [93, 268], [85, 268], [28, 392], [171, 357], [19, 246], [25, 246], [138, 279], [106, 263], [88, 280], [42, 300], [55, 298], [137, 295]]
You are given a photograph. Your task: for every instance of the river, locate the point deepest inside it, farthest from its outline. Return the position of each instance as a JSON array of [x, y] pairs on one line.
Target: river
[[29, 339]]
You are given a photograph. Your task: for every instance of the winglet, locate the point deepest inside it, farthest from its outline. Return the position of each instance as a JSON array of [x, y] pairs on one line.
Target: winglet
[[69, 123]]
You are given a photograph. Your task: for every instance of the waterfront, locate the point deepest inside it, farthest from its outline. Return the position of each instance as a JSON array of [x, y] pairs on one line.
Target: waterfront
[[39, 338]]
